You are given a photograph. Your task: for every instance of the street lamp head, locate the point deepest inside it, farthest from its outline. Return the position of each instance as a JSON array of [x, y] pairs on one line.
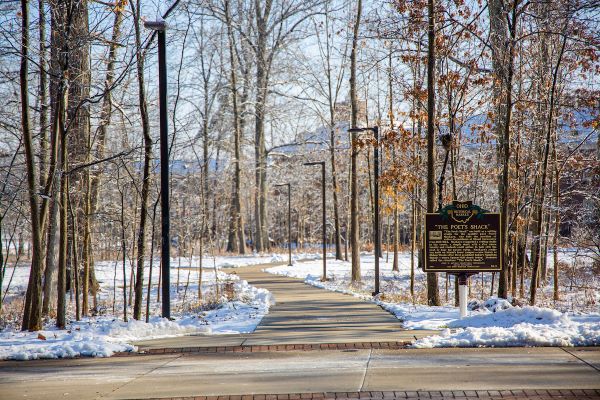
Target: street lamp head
[[156, 25], [356, 130]]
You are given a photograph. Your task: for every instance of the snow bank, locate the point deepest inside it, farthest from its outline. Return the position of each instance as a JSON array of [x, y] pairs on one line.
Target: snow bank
[[512, 316], [57, 344], [418, 316], [103, 336], [498, 324], [517, 326]]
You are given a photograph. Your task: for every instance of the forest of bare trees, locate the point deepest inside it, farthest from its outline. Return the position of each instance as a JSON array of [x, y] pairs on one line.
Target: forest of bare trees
[[498, 100]]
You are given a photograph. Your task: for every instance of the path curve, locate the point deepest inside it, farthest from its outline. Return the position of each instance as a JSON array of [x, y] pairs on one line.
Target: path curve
[[303, 314], [306, 314]]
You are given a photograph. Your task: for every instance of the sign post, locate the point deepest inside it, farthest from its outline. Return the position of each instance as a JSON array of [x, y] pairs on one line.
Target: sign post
[[462, 294], [463, 239]]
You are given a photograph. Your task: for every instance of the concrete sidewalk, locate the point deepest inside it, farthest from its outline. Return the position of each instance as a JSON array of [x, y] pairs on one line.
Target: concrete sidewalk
[[447, 373], [303, 315]]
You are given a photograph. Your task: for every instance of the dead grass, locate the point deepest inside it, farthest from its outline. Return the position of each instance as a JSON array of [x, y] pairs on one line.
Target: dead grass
[[12, 312], [420, 296]]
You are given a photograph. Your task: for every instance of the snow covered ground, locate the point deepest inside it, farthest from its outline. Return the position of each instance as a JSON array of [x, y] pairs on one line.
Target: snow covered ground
[[253, 259], [518, 326], [229, 305], [494, 323]]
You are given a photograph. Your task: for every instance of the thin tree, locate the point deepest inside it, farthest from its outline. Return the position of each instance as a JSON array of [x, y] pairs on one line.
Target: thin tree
[[555, 72], [503, 50], [32, 317], [236, 242], [433, 297], [143, 106], [354, 225]]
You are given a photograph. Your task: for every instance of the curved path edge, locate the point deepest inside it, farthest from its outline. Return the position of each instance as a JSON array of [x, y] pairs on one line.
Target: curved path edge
[[302, 315]]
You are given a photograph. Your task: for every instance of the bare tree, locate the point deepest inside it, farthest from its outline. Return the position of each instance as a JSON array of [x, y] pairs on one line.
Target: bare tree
[[32, 318], [237, 241], [143, 106], [433, 297], [354, 226]]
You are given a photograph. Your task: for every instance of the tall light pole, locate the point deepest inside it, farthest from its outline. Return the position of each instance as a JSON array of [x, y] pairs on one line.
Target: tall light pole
[[160, 28], [322, 164], [289, 221], [375, 130]]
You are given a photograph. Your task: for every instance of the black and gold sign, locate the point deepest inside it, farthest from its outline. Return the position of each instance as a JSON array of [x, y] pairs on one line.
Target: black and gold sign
[[463, 237]]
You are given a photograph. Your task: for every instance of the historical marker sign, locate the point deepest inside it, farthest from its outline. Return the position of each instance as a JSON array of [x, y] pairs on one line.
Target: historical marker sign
[[462, 237]]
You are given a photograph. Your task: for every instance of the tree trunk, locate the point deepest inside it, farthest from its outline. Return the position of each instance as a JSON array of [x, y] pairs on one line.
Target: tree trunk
[[534, 273], [74, 257], [32, 317], [237, 241], [395, 194], [78, 112], [141, 241], [502, 43], [124, 256], [556, 295], [354, 224], [102, 133], [433, 296], [149, 291], [50, 270], [260, 161], [336, 213], [61, 304], [43, 94]]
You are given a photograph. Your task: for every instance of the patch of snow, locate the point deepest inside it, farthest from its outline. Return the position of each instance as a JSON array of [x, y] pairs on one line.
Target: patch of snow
[[492, 304], [276, 258], [103, 335], [517, 326]]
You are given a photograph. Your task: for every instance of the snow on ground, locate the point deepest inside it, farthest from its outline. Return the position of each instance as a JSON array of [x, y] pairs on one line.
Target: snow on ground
[[494, 323], [252, 259], [229, 305], [517, 326]]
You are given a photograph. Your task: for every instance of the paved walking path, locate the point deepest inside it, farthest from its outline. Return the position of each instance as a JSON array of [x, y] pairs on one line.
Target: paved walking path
[[304, 315], [334, 328]]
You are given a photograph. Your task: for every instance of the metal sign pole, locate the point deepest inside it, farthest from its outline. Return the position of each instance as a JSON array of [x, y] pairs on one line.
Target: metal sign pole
[[289, 224], [376, 203], [324, 222], [164, 175], [462, 294], [289, 220]]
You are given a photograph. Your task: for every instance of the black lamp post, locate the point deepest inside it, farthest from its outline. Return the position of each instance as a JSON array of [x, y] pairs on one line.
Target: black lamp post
[[322, 164], [289, 221], [160, 28], [375, 130]]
